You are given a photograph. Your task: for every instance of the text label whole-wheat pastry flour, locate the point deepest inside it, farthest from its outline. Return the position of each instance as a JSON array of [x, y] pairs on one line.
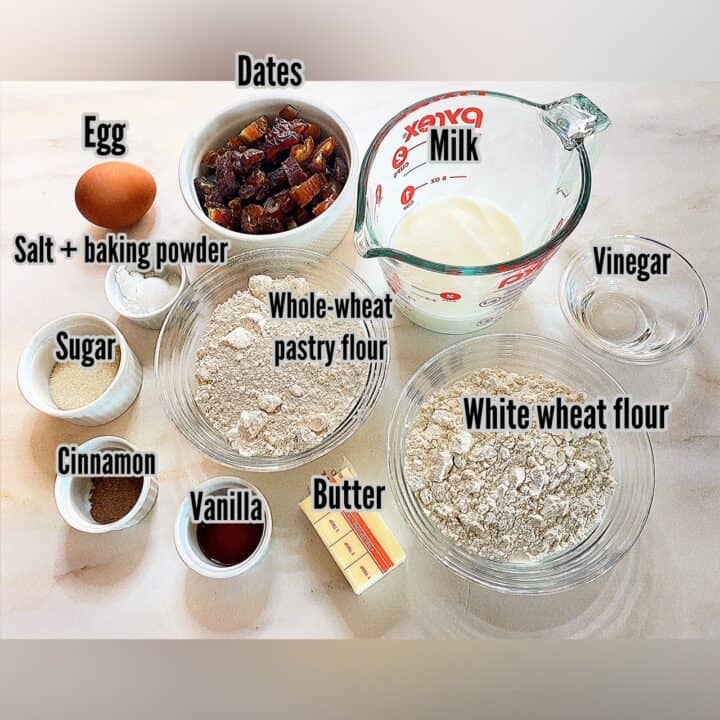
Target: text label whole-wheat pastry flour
[[265, 410], [515, 496]]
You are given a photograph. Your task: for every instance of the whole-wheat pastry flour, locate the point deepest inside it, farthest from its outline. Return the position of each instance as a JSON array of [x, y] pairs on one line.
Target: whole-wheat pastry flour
[[265, 410], [507, 495]]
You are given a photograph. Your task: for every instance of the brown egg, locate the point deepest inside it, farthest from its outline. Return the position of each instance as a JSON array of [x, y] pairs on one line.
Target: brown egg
[[114, 194]]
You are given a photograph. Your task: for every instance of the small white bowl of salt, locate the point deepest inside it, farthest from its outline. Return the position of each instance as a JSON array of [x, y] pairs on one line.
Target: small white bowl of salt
[[144, 297]]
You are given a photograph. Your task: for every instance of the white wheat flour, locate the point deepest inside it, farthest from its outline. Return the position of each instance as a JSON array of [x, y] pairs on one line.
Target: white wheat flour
[[515, 496], [265, 410]]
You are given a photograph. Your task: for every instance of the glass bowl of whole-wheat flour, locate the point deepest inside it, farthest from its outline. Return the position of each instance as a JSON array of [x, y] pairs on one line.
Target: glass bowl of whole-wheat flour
[[527, 512], [215, 363]]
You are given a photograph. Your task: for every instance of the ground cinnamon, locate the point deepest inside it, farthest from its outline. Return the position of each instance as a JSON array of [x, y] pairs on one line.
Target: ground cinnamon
[[112, 498]]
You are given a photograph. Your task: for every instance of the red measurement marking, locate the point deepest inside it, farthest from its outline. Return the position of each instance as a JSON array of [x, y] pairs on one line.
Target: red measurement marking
[[524, 272], [399, 157], [451, 296], [378, 194], [407, 194], [394, 282]]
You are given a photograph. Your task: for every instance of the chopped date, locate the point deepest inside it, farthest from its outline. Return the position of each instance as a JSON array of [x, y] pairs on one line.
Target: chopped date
[[299, 126], [203, 188], [327, 146], [272, 207], [226, 181], [331, 189], [302, 216], [303, 152], [278, 138], [318, 164], [246, 191], [284, 201], [340, 170], [289, 113], [307, 129], [255, 130], [251, 219], [235, 143], [256, 178], [211, 157], [270, 224], [303, 193], [247, 160], [294, 173], [214, 199], [222, 216], [276, 179], [235, 206], [324, 150], [271, 176], [323, 205]]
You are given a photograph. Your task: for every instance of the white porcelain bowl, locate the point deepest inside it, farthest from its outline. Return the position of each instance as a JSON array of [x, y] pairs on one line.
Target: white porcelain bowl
[[186, 535], [321, 234], [36, 364], [72, 493], [154, 319]]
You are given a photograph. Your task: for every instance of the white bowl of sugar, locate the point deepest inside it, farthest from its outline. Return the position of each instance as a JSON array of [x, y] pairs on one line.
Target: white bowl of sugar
[[103, 395]]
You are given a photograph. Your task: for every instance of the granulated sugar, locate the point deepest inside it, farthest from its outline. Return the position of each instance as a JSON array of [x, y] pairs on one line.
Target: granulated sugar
[[73, 386], [261, 409], [502, 495]]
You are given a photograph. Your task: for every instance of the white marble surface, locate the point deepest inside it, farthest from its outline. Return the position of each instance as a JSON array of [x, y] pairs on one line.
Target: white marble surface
[[659, 176]]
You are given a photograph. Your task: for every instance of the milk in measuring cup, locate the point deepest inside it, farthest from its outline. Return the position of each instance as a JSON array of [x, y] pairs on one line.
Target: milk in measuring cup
[[461, 231], [458, 231]]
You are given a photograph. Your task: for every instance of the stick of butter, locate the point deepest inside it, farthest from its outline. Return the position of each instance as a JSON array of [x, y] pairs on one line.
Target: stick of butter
[[360, 543]]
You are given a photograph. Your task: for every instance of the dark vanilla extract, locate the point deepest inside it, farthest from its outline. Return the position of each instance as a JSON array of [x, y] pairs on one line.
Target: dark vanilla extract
[[229, 543]]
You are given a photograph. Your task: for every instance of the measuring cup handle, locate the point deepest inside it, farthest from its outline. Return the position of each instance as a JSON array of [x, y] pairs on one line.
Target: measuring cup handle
[[575, 119]]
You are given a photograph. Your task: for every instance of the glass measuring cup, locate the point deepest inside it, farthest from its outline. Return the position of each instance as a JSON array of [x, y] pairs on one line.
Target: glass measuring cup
[[534, 165]]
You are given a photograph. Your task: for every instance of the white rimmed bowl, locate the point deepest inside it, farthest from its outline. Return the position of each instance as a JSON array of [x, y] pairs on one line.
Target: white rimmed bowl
[[153, 319], [186, 541], [37, 360], [323, 233], [72, 493]]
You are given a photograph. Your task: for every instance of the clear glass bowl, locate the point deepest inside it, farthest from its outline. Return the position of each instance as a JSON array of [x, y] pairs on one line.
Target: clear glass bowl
[[634, 321], [185, 324], [625, 514]]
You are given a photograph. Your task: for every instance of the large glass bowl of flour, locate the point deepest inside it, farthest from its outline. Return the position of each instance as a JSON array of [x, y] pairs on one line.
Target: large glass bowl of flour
[[624, 514], [182, 335]]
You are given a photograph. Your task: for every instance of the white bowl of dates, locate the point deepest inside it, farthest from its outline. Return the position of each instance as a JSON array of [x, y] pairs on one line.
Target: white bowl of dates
[[272, 172]]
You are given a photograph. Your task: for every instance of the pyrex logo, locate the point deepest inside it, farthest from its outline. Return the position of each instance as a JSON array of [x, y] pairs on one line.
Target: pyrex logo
[[465, 116]]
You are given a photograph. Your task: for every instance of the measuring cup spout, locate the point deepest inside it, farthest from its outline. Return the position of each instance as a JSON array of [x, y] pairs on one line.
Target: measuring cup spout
[[366, 250]]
